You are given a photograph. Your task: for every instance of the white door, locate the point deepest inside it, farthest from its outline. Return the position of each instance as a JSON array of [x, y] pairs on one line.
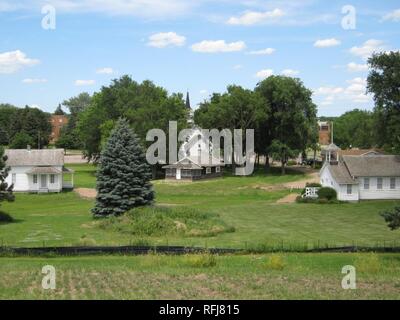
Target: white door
[[178, 174], [43, 181]]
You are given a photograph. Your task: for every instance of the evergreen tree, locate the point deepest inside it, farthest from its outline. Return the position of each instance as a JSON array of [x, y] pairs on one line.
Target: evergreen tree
[[123, 176], [5, 190]]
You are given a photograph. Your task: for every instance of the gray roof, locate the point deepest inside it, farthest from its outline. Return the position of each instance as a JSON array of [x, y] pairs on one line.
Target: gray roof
[[44, 157], [340, 173], [43, 170], [373, 166]]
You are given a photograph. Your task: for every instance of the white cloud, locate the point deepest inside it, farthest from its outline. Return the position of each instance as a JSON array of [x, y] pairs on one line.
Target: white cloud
[[290, 72], [355, 67], [392, 16], [353, 93], [254, 17], [34, 80], [84, 82], [13, 61], [368, 48], [106, 70], [266, 51], [328, 90], [165, 39], [209, 46], [325, 43], [203, 92], [237, 67], [265, 73]]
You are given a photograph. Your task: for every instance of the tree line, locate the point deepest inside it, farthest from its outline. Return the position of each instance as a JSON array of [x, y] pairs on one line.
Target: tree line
[[279, 108]]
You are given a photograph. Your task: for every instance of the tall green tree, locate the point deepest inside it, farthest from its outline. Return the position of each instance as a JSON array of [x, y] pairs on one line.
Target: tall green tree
[[144, 105], [384, 83], [21, 140], [292, 118], [355, 129], [6, 193], [123, 176]]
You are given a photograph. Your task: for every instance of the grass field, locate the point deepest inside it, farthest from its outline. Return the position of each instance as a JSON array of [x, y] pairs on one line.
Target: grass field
[[297, 276], [246, 204]]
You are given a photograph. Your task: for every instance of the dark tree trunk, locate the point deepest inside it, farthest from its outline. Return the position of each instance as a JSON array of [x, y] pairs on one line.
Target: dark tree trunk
[[266, 163], [283, 161], [315, 156], [154, 171]]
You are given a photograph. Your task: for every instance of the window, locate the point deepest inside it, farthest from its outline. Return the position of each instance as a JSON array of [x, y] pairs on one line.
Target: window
[[379, 183], [208, 170], [392, 183], [52, 178], [349, 189], [366, 183], [35, 179], [217, 169], [186, 173], [14, 178]]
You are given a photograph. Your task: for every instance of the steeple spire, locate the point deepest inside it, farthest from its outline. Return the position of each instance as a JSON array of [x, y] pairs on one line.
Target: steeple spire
[[187, 100]]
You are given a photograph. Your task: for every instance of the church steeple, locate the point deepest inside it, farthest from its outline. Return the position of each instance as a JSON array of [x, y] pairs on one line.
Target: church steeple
[[187, 102]]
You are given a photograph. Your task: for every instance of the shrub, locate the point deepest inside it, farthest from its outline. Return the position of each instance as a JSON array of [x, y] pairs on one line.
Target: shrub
[[275, 262], [392, 218], [5, 218], [159, 221], [368, 263], [327, 193], [203, 260]]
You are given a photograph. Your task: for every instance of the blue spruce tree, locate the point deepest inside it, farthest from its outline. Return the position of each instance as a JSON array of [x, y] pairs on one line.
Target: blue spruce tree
[[123, 175]]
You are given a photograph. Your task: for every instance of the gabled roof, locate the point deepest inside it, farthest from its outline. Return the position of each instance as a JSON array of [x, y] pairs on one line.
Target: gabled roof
[[44, 157], [373, 166], [340, 173]]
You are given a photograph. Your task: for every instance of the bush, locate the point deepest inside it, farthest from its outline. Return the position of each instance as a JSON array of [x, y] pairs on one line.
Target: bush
[[275, 262], [327, 193], [204, 260], [368, 263], [5, 218], [159, 221]]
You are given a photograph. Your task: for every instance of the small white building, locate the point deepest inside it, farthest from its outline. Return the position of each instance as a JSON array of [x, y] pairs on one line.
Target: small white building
[[37, 170], [196, 160], [364, 177]]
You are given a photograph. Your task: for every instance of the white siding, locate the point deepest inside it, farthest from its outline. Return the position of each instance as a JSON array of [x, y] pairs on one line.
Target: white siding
[[374, 193], [24, 182], [327, 180]]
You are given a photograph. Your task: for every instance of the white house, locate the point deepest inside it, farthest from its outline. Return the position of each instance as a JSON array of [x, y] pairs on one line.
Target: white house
[[363, 177], [37, 170], [196, 160]]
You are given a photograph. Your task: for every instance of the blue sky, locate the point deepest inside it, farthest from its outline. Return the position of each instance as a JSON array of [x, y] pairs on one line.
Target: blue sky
[[201, 46]]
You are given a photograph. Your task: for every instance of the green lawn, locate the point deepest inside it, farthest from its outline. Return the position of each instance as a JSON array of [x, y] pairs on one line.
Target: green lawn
[[246, 203], [297, 276]]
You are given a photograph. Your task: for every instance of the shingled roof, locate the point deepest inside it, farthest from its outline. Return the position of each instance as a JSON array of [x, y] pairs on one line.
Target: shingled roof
[[340, 173], [44, 157], [374, 166]]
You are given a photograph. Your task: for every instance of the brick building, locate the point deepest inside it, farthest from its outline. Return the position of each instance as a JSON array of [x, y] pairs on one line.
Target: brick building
[[57, 122], [324, 133]]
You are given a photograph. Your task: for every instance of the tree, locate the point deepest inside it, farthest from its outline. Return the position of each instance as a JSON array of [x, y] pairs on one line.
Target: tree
[[291, 118], [5, 190], [144, 105], [237, 108], [384, 83], [21, 140], [392, 218], [123, 176], [355, 129], [7, 116], [59, 111]]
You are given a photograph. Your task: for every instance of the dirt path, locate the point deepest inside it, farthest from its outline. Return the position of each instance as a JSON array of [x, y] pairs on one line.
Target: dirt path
[[86, 192], [290, 198]]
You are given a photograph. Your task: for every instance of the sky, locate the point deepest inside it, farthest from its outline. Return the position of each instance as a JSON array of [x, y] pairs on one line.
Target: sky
[[53, 50]]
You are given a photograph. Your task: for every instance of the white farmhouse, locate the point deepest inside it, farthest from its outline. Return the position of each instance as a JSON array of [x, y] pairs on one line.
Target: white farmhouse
[[37, 170], [363, 177]]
